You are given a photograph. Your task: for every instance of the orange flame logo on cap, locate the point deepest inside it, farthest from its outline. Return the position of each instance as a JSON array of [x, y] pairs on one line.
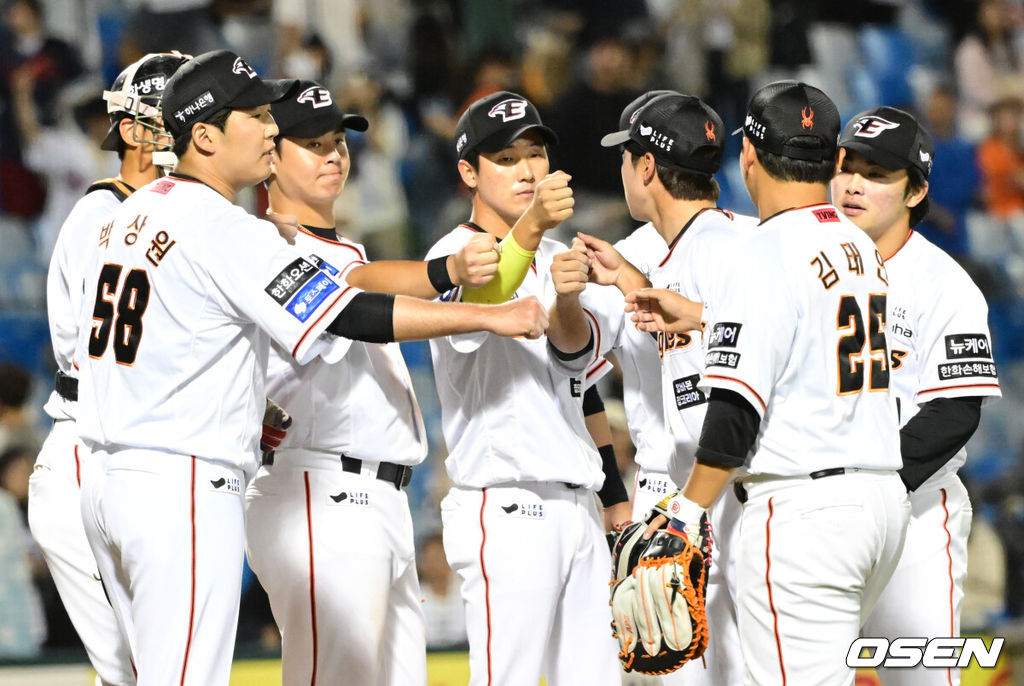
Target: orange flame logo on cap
[[807, 118], [709, 130]]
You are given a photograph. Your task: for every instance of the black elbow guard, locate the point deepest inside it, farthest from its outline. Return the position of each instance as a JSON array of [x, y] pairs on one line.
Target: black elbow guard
[[368, 318]]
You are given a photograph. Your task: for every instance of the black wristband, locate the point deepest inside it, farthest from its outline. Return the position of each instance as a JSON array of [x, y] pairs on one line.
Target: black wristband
[[592, 403], [437, 273], [613, 491]]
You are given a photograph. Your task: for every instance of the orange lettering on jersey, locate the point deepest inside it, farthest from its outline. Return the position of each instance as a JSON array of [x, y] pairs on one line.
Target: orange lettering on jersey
[[105, 234], [882, 274], [897, 358], [134, 229], [828, 277], [672, 341], [158, 248], [853, 260]]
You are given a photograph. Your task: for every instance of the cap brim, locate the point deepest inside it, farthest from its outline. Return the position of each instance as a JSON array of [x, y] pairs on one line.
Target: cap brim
[[264, 93], [311, 127], [502, 140], [613, 139], [737, 132], [356, 122], [113, 136], [883, 158]]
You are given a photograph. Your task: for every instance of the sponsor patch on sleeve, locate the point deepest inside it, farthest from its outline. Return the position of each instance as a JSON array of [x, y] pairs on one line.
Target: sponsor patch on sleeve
[[301, 288], [721, 358], [724, 335], [967, 345], [686, 392], [963, 370], [290, 280], [323, 265]]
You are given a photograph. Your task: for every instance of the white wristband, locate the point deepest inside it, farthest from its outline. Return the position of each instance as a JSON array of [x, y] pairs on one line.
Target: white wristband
[[684, 509]]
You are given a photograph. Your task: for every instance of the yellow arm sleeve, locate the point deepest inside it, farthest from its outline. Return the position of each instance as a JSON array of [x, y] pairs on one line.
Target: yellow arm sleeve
[[513, 263]]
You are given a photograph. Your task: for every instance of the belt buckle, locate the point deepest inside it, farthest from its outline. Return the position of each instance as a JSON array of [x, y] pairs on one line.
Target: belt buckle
[[403, 477]]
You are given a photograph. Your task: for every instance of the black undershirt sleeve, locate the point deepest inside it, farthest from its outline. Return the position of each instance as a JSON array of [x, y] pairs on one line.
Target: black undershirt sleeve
[[369, 317], [613, 491], [934, 435], [569, 357], [730, 429], [592, 403]]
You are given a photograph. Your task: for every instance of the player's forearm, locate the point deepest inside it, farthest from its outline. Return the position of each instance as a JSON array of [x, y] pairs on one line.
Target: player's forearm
[[397, 277], [568, 327], [419, 319], [631, 279], [706, 483]]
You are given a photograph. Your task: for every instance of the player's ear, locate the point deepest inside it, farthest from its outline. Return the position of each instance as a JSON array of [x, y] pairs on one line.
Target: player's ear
[[650, 168], [915, 198], [468, 174], [125, 128], [840, 158], [202, 137], [748, 156]]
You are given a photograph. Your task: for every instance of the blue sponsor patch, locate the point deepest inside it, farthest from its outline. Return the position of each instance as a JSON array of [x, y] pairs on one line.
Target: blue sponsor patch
[[311, 296], [323, 265]]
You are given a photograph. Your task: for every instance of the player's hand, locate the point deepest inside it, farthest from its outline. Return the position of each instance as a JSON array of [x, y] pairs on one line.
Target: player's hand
[[659, 309], [287, 225], [606, 264], [520, 317], [552, 201], [477, 262], [275, 427], [617, 516], [570, 270]]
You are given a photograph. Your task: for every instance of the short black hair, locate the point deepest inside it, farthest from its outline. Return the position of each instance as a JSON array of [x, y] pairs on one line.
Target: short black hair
[[915, 182], [802, 171], [681, 184], [218, 120]]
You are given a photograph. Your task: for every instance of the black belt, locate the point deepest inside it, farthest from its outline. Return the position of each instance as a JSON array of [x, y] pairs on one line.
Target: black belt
[[66, 386], [741, 492], [397, 474]]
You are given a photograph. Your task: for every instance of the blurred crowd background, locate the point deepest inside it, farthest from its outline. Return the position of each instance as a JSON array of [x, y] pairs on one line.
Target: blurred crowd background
[[411, 67]]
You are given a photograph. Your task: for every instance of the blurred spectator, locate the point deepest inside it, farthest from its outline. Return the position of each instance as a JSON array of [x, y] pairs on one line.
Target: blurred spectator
[[736, 51], [338, 23], [442, 602], [22, 623], [985, 587], [52, 63], [988, 65], [547, 64], [953, 183], [190, 26], [493, 71], [16, 425], [581, 117], [1001, 160]]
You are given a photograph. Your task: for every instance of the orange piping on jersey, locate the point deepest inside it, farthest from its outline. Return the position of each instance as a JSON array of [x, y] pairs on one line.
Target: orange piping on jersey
[[793, 209], [950, 388], [487, 583], [596, 369], [328, 241], [78, 468], [192, 591], [905, 241], [675, 241], [312, 578], [597, 334], [768, 582], [745, 385], [949, 539], [317, 321]]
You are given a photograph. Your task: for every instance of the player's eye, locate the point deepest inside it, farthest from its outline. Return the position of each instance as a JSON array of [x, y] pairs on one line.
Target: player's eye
[[314, 145]]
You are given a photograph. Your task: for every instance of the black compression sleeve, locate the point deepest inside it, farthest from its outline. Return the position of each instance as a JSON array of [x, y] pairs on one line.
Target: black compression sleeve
[[730, 429], [592, 403], [934, 435], [369, 317], [569, 357], [613, 491]]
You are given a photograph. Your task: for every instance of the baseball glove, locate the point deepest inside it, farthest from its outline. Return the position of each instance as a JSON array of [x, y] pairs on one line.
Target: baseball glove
[[658, 596]]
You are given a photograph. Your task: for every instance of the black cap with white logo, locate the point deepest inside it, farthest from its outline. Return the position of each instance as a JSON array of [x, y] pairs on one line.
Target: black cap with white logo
[[212, 82], [681, 131], [137, 90], [493, 122], [310, 111], [785, 110], [890, 138], [633, 108]]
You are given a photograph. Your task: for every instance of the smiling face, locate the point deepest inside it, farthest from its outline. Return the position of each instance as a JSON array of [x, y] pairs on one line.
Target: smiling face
[[504, 180], [873, 197], [312, 171], [246, 146]]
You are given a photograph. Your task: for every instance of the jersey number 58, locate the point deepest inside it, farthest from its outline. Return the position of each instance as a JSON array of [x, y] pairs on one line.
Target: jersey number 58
[[850, 349], [126, 319]]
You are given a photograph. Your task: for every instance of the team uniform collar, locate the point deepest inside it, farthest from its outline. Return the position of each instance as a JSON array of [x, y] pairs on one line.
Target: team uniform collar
[[330, 234], [791, 209]]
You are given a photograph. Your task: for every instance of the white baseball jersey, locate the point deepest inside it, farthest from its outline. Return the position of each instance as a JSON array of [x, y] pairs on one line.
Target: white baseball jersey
[[508, 413], [65, 281], [190, 292], [834, 370], [355, 398], [698, 257], [938, 332]]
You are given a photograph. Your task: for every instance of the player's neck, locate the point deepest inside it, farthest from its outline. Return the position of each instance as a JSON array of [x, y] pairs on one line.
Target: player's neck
[[307, 215], [776, 196], [207, 175], [669, 217], [138, 169], [893, 238], [488, 219]]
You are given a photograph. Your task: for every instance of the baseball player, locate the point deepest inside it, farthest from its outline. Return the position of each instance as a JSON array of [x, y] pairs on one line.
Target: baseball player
[[798, 381], [348, 605], [671, 148], [54, 514], [942, 373], [189, 290], [521, 522]]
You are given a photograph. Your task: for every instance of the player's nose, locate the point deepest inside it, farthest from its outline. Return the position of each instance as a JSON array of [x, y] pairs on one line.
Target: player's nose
[[272, 129], [525, 170]]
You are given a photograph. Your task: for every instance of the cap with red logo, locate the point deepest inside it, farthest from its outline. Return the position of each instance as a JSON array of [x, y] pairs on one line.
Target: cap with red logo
[[210, 83], [681, 131], [310, 111], [792, 119], [493, 122]]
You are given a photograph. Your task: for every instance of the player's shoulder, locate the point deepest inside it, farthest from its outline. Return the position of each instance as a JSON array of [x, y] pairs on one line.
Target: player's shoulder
[[452, 241], [932, 265], [342, 249], [97, 202]]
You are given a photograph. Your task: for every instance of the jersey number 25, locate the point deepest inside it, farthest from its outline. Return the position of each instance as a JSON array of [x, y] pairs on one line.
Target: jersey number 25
[[850, 349], [126, 319]]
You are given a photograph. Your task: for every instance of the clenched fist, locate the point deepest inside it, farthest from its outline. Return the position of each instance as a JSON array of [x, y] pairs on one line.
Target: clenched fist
[[521, 317], [570, 270], [477, 262], [552, 201]]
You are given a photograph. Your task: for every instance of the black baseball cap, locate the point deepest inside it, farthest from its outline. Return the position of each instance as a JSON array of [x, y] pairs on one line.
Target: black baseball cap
[[784, 110], [681, 131], [137, 90], [633, 108], [493, 122], [310, 111], [893, 139], [212, 82]]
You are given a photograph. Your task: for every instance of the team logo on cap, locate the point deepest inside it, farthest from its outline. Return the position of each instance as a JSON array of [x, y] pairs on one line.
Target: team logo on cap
[[926, 159], [807, 118], [709, 131], [315, 96], [632, 117], [872, 127], [240, 67], [509, 110]]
